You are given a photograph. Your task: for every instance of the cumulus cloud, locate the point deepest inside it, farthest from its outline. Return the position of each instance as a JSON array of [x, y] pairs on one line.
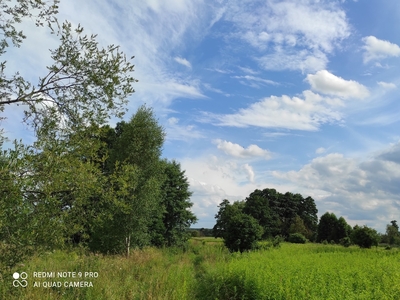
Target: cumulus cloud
[[307, 112], [250, 172], [183, 62], [362, 189], [387, 85], [235, 150], [327, 83], [376, 49]]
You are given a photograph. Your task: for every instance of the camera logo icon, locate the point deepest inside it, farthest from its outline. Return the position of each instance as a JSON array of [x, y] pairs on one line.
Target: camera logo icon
[[20, 279]]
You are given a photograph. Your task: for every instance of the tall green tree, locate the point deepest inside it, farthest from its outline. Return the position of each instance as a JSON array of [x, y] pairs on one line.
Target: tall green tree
[[225, 213], [133, 168], [175, 218], [392, 232], [257, 205], [50, 183], [327, 228]]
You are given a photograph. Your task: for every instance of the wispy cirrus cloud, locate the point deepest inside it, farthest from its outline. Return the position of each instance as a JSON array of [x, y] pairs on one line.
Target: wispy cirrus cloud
[[183, 62], [294, 35]]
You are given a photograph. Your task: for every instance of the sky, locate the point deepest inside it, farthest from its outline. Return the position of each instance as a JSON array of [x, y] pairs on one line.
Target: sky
[[296, 95]]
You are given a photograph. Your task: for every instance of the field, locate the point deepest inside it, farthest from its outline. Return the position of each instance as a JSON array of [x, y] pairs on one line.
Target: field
[[206, 270]]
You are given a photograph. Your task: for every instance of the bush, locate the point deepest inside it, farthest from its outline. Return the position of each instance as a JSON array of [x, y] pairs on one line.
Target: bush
[[242, 234], [346, 242], [297, 238], [325, 242], [365, 237]]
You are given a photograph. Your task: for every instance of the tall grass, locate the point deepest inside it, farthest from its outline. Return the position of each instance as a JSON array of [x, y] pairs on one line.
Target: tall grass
[[206, 270]]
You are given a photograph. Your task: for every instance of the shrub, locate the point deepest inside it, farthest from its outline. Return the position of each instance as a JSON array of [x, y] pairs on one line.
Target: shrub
[[346, 242], [297, 238], [242, 234], [365, 237], [325, 242]]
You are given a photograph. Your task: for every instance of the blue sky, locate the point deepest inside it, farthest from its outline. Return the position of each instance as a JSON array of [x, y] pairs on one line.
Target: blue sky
[[296, 95]]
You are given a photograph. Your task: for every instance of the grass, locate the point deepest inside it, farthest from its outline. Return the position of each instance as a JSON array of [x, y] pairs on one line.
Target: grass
[[206, 270]]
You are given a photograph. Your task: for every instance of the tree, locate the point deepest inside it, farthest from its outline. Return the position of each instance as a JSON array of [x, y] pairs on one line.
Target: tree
[[226, 212], [257, 205], [54, 180], [298, 227], [276, 212], [364, 237], [242, 233], [392, 232], [327, 228], [135, 177], [176, 217]]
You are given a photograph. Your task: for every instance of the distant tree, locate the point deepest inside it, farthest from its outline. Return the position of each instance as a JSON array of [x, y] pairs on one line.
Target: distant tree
[[297, 238], [307, 210], [257, 205], [364, 237], [298, 227], [328, 228], [276, 212], [226, 212], [392, 232], [343, 229], [242, 233]]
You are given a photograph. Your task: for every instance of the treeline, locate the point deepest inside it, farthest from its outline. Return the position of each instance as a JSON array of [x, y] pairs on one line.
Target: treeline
[[268, 214]]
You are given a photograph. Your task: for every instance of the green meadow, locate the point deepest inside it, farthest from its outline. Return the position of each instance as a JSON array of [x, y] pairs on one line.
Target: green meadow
[[206, 270]]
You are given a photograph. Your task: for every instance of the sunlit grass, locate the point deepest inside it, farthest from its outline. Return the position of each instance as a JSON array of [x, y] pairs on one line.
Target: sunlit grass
[[206, 270]]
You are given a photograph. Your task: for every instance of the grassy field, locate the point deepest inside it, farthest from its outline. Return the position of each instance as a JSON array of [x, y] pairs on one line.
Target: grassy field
[[206, 270]]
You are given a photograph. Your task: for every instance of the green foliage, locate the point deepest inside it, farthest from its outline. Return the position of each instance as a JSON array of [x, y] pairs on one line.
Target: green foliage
[[298, 227], [364, 237], [242, 233], [346, 242], [297, 238], [176, 217], [392, 232], [225, 213], [277, 212], [333, 229]]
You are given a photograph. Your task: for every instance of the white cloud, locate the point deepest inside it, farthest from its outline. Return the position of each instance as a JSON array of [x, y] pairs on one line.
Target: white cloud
[[306, 113], [175, 131], [320, 150], [376, 49], [250, 172], [183, 62], [387, 85], [248, 70], [291, 34], [256, 79], [302, 60], [235, 150], [364, 190], [327, 83]]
